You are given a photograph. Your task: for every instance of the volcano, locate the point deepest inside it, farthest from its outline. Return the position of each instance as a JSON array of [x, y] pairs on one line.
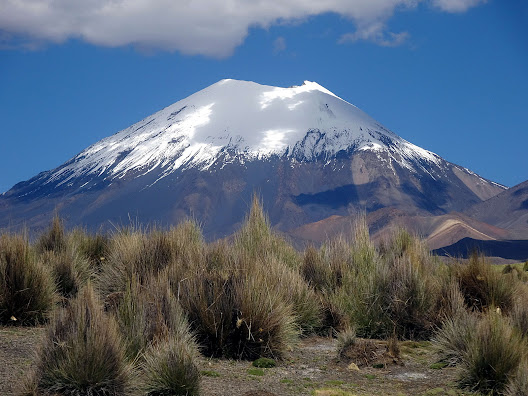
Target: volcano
[[306, 152]]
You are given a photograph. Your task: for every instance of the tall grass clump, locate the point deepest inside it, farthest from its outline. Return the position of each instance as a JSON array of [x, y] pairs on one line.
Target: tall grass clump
[[306, 304], [27, 290], [54, 238], [169, 369], [324, 271], [210, 303], [70, 270], [493, 355], [157, 336], [187, 243], [93, 247], [82, 353], [519, 313], [256, 238], [134, 253], [394, 292], [265, 323], [518, 384], [235, 309], [483, 287], [255, 243], [148, 314], [452, 340]]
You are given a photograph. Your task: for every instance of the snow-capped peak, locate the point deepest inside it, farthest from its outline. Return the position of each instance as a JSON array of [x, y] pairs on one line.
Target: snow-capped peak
[[243, 120]]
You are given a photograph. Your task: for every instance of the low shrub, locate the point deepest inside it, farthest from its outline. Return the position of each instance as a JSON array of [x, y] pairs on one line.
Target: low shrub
[[345, 339], [82, 353], [27, 290], [264, 363]]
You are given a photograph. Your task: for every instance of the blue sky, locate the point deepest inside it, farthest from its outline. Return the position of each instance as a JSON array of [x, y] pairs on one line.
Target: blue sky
[[448, 75]]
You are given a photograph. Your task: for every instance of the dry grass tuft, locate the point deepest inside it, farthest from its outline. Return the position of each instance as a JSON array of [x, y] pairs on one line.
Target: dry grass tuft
[[54, 238], [483, 287], [493, 355], [27, 290], [82, 354]]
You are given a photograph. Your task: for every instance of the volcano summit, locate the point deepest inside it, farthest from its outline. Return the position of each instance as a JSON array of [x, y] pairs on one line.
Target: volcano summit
[[308, 153]]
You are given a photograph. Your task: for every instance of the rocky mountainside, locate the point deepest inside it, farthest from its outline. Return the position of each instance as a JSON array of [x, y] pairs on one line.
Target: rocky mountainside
[[308, 153]]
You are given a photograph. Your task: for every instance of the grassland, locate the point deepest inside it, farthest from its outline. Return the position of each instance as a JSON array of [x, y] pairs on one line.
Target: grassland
[[162, 312]]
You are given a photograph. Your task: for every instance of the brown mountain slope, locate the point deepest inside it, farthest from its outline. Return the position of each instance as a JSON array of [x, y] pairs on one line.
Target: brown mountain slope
[[508, 210], [442, 230]]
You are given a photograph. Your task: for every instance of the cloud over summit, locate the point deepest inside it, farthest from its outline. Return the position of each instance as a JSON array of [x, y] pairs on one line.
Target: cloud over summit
[[195, 27]]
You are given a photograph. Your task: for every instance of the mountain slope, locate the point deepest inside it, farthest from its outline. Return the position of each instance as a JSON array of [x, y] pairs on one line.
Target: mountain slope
[[307, 152], [439, 231], [508, 209]]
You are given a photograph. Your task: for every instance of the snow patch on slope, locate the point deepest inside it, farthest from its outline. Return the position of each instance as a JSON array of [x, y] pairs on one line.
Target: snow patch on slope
[[242, 120]]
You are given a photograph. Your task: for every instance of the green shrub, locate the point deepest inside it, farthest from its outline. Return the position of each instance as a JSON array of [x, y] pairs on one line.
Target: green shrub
[[27, 290], [264, 363], [82, 353], [492, 357]]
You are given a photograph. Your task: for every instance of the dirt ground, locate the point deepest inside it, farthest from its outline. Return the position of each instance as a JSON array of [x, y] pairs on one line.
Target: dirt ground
[[312, 368]]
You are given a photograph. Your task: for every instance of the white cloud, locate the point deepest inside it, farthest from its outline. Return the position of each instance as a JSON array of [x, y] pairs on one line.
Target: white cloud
[[207, 27], [456, 5], [377, 33], [279, 45]]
